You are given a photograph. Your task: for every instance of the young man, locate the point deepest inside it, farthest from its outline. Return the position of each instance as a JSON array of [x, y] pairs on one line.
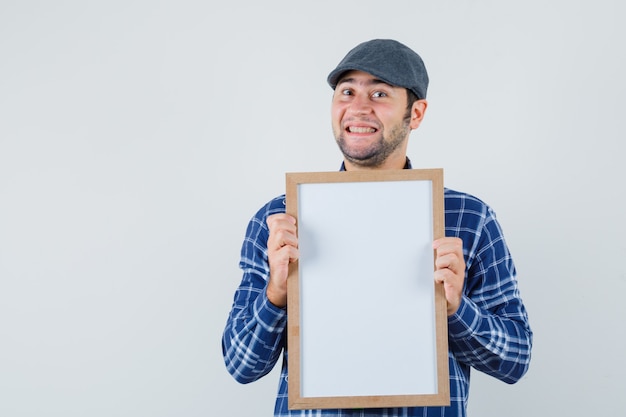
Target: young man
[[379, 98]]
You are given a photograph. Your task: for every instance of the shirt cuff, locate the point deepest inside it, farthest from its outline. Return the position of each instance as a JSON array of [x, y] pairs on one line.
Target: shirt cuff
[[461, 324], [273, 319]]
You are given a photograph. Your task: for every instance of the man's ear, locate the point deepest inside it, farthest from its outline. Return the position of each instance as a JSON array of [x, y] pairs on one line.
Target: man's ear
[[417, 113]]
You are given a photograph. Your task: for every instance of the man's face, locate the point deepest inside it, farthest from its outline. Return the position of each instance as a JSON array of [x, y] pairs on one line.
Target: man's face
[[370, 120]]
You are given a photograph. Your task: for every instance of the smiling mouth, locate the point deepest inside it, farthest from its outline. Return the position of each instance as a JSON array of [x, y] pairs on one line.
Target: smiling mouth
[[360, 129]]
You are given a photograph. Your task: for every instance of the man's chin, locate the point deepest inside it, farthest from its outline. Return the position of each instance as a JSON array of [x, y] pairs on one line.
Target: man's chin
[[368, 161]]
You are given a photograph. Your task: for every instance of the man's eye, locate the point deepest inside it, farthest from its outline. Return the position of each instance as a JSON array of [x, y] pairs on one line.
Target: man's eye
[[379, 94], [346, 92]]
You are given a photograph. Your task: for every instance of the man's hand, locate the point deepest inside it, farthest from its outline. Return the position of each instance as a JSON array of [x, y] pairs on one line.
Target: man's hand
[[450, 269], [282, 248]]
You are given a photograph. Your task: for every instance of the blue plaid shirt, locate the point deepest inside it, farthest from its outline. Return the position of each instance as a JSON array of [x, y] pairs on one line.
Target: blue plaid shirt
[[489, 332]]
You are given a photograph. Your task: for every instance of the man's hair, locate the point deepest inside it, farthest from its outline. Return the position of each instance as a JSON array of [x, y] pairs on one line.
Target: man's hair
[[411, 98]]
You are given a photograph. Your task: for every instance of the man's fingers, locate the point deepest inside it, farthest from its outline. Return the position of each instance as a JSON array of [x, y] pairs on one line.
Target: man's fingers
[[449, 252], [449, 261], [281, 238], [447, 245], [446, 273], [282, 228], [276, 220]]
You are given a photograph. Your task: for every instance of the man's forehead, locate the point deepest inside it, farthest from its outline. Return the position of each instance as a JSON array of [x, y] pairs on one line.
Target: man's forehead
[[362, 77]]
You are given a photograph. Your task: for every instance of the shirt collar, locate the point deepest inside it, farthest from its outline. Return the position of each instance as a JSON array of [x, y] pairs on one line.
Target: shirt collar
[[407, 165]]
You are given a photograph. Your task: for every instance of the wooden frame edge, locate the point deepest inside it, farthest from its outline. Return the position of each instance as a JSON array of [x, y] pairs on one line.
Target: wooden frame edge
[[295, 400]]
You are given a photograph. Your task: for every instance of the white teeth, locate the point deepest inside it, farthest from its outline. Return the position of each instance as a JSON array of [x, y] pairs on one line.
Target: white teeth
[[355, 129]]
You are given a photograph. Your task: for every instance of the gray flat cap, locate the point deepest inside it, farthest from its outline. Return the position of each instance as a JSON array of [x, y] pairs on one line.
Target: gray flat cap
[[389, 60]]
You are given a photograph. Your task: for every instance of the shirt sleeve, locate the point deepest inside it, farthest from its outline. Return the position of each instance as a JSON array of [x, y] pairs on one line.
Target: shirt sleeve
[[253, 336], [490, 330]]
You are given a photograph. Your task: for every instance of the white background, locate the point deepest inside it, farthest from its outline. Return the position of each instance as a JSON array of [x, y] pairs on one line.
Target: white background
[[138, 137]]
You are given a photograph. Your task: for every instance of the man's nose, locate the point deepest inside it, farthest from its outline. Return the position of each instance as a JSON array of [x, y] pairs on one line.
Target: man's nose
[[360, 105]]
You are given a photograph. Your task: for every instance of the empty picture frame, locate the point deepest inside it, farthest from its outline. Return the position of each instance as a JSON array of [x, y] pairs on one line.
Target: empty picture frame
[[367, 324]]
